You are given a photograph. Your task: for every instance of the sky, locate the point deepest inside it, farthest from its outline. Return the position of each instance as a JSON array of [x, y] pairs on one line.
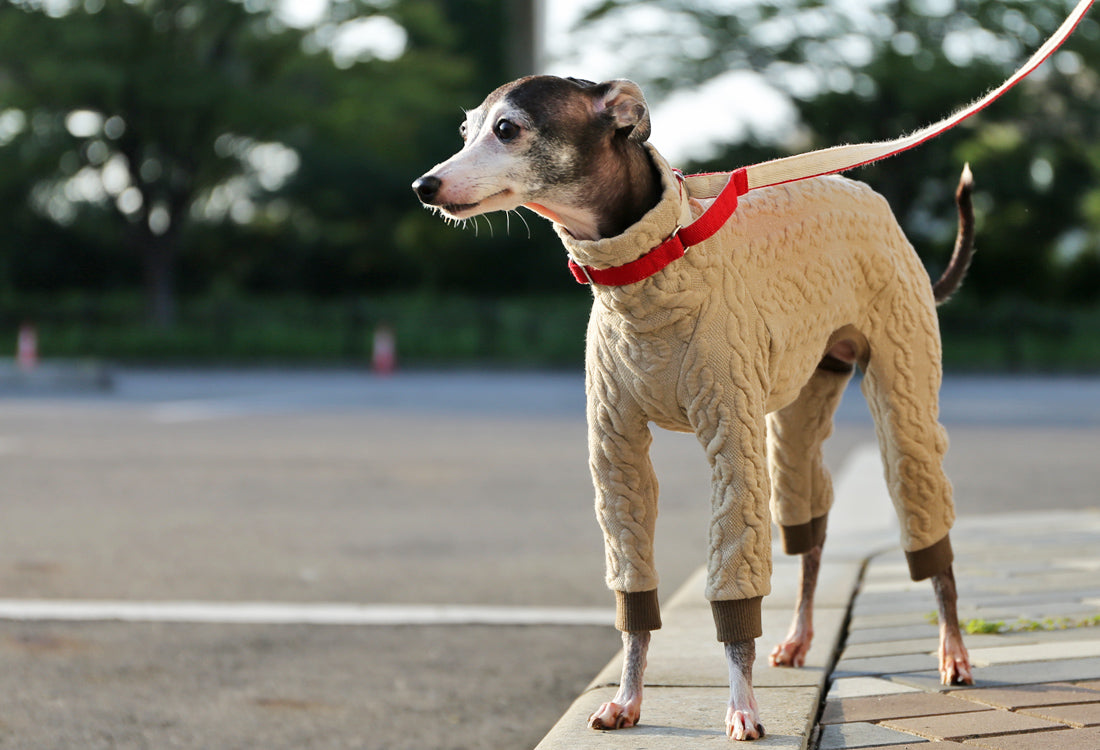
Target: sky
[[688, 124]]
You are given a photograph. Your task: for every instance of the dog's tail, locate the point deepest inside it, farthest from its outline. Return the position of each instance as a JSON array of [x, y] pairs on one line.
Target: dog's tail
[[953, 277]]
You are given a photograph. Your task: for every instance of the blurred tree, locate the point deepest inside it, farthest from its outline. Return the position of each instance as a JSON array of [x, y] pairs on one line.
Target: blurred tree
[[859, 71], [154, 120]]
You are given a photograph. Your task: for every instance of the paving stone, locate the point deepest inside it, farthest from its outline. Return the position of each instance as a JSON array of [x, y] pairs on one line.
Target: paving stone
[[1063, 739], [1003, 675], [1010, 614], [964, 726], [891, 648], [1078, 715], [1039, 597], [864, 687], [1089, 685], [903, 705], [862, 735], [1028, 696], [1052, 580], [918, 744], [884, 665], [836, 583], [917, 603], [1073, 649], [902, 633]]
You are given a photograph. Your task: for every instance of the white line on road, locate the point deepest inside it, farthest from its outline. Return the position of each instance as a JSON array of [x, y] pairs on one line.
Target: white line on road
[[198, 410], [263, 613]]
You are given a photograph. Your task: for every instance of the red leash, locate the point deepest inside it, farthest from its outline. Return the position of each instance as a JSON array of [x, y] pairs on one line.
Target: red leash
[[726, 187]]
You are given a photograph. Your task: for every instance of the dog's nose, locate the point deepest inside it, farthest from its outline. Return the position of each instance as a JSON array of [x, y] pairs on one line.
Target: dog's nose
[[427, 188]]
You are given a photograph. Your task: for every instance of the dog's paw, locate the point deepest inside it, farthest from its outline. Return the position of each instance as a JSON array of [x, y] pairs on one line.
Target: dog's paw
[[743, 725], [955, 670], [790, 653], [615, 716], [955, 662]]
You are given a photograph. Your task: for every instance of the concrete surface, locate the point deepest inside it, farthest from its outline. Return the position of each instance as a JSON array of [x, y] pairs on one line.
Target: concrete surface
[[459, 489]]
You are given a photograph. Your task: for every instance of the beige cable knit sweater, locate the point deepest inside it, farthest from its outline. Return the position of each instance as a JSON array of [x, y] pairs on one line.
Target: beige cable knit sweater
[[728, 340]]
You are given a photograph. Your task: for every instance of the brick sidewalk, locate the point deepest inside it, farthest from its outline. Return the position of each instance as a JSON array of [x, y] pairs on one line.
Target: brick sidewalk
[[1034, 578]]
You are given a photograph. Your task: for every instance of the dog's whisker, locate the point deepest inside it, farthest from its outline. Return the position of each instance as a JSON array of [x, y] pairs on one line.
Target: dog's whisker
[[524, 220]]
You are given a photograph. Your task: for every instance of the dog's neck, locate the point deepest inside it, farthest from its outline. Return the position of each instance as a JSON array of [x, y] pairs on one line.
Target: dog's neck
[[622, 184], [625, 186]]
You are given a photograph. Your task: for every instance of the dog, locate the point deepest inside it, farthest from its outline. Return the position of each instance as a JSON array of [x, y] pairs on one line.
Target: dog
[[748, 340]]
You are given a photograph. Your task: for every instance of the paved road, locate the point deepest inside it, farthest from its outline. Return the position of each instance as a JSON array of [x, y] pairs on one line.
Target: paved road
[[314, 487]]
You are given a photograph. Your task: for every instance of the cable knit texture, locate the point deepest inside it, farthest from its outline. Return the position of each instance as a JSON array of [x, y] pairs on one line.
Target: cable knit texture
[[733, 332]]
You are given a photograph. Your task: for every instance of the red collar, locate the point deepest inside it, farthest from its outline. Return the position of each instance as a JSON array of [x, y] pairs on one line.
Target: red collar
[[675, 246]]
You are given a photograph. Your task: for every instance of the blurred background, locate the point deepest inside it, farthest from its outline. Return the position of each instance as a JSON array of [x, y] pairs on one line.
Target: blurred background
[[223, 181]]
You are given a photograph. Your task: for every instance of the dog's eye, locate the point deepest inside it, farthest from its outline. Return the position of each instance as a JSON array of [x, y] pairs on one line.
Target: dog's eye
[[506, 130], [462, 130]]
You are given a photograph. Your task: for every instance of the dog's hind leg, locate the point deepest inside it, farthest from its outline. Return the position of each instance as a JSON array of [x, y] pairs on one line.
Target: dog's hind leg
[[802, 492], [954, 660], [902, 384], [792, 651]]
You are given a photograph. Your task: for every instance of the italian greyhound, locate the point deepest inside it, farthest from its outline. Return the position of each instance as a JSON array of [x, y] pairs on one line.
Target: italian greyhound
[[576, 153]]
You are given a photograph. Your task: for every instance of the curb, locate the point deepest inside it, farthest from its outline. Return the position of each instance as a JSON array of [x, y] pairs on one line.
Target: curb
[[54, 377]]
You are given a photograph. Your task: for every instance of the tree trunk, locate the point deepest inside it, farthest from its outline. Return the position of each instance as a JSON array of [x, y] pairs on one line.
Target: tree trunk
[[158, 257]]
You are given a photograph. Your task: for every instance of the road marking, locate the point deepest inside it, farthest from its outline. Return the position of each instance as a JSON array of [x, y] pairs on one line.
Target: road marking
[[269, 613], [198, 410], [867, 509]]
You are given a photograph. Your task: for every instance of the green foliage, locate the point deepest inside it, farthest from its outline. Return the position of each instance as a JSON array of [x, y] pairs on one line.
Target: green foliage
[[225, 327], [1026, 625], [163, 184]]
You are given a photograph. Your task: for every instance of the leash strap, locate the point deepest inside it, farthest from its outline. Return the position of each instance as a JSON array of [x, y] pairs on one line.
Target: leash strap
[[843, 158], [726, 187]]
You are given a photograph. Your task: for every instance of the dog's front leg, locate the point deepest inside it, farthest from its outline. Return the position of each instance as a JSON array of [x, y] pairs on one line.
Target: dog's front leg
[[626, 507], [625, 708], [954, 659], [730, 425], [743, 714]]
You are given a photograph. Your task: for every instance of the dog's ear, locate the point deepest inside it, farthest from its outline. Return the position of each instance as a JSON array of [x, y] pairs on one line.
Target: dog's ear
[[624, 105]]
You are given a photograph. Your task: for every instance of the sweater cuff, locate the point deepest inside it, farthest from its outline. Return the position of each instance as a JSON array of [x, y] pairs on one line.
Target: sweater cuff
[[637, 611], [798, 540], [927, 562], [738, 619]]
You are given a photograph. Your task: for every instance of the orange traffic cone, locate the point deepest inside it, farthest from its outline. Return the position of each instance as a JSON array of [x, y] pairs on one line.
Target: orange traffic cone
[[384, 353], [26, 353]]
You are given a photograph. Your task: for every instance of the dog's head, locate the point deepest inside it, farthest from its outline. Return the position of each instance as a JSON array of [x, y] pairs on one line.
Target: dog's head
[[536, 142]]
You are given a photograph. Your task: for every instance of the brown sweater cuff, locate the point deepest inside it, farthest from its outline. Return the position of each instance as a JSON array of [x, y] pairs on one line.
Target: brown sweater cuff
[[738, 619], [800, 539], [636, 611], [927, 562]]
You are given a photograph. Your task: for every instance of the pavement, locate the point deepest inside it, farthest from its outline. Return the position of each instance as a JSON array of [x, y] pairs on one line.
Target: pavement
[[144, 524], [1029, 585]]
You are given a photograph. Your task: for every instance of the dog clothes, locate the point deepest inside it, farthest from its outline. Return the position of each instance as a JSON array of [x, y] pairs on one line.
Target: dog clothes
[[726, 343]]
